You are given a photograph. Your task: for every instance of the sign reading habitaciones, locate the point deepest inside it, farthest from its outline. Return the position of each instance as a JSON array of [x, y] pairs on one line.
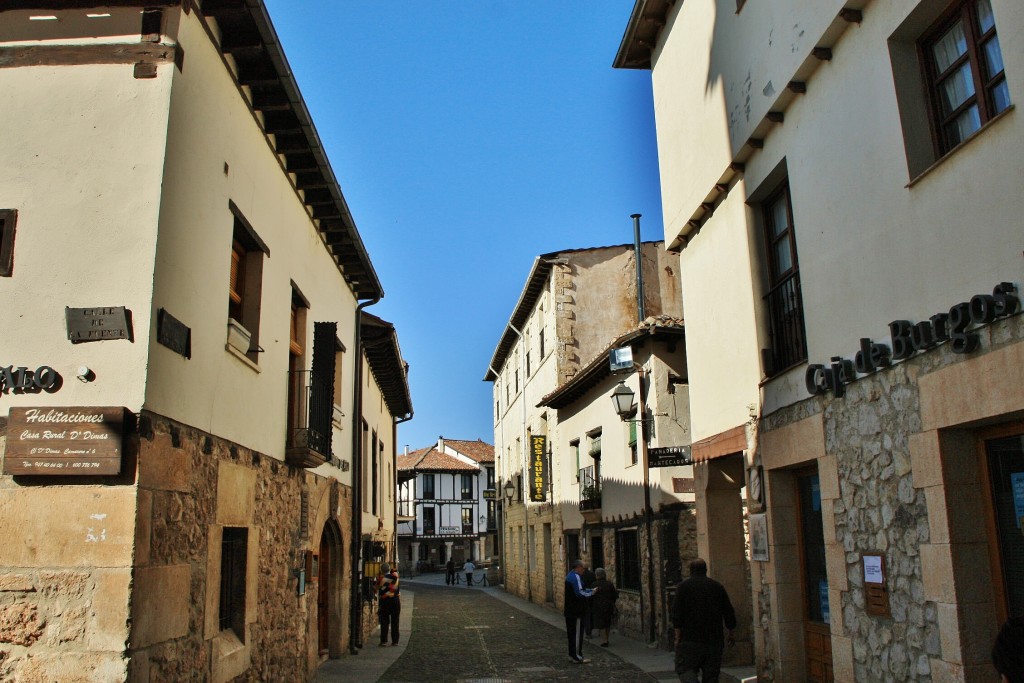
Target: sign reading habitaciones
[[64, 441], [958, 327], [538, 469]]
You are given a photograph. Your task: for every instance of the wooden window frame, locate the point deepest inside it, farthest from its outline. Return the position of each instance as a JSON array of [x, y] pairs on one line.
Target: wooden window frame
[[8, 222], [467, 494], [433, 487], [786, 352], [245, 282], [964, 11]]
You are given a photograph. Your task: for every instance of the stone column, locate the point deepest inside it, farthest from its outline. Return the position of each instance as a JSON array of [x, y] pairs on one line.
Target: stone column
[[479, 549], [415, 556], [448, 549]]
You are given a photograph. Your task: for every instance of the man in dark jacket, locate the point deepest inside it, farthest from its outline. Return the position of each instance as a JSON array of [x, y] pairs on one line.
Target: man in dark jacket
[[699, 609], [575, 607]]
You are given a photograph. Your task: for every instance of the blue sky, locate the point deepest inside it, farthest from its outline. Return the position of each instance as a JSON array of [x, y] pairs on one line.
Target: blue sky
[[468, 138]]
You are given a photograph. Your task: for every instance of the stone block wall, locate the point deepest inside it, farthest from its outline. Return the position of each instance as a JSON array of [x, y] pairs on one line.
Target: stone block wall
[[65, 575], [192, 485]]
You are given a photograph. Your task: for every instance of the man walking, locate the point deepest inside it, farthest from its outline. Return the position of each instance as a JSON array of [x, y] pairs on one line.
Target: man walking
[[700, 608], [389, 604], [575, 607], [469, 568]]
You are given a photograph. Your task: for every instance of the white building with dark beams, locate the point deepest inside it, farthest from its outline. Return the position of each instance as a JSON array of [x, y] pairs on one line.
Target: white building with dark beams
[[446, 503]]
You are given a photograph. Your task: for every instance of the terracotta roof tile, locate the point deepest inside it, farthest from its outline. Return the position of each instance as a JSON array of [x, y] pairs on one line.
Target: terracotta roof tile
[[477, 450], [434, 461]]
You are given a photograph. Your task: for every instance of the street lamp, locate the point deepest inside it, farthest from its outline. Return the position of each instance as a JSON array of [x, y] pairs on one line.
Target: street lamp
[[622, 398], [510, 491]]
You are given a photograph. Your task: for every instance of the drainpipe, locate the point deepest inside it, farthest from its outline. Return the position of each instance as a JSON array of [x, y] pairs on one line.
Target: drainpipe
[[394, 484], [648, 521], [499, 492], [639, 269], [356, 613], [526, 447]]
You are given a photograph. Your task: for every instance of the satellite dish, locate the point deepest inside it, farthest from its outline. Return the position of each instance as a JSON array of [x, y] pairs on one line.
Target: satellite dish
[[621, 359]]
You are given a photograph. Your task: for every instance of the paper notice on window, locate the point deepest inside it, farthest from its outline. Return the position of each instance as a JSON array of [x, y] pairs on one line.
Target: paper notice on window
[[873, 569]]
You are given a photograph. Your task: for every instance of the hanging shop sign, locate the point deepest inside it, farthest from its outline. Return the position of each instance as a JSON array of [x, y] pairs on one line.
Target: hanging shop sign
[[538, 469], [21, 380], [64, 441], [958, 326], [669, 456], [101, 323]]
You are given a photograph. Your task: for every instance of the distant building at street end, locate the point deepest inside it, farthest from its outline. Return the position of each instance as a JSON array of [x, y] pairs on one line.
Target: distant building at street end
[[841, 181], [446, 505], [197, 415]]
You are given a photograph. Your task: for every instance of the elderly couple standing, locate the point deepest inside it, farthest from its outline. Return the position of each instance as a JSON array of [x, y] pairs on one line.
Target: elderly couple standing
[[599, 601]]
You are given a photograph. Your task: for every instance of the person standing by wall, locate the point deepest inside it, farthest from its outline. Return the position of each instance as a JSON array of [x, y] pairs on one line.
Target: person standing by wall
[[574, 609], [449, 572], [469, 568], [389, 604], [602, 605], [588, 619], [699, 609]]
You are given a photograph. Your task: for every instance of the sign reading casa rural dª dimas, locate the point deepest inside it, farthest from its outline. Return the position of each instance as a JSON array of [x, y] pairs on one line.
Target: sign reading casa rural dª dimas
[[64, 441], [538, 469]]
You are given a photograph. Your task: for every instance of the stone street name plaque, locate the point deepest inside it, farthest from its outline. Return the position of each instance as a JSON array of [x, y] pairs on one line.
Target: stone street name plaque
[[97, 324], [64, 441]]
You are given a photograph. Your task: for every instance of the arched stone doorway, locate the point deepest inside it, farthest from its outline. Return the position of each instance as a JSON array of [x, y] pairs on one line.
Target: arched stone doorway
[[329, 591]]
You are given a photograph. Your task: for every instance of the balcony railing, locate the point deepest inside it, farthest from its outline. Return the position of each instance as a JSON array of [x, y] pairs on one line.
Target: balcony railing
[[786, 316], [311, 408], [590, 489]]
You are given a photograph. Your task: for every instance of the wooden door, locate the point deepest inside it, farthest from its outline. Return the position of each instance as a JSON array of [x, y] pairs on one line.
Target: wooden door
[[323, 594], [814, 577]]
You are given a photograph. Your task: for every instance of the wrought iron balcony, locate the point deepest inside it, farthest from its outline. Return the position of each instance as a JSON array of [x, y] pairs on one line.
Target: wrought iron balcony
[[310, 410], [590, 489]]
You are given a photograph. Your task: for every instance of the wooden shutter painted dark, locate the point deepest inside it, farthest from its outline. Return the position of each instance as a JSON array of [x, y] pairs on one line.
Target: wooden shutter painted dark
[[321, 389]]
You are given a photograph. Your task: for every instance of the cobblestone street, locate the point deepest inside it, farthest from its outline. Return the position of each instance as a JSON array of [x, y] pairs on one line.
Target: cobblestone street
[[466, 635]]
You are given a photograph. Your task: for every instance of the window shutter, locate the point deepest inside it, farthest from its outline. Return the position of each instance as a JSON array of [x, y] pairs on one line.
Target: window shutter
[[321, 399], [237, 272], [595, 445], [632, 433]]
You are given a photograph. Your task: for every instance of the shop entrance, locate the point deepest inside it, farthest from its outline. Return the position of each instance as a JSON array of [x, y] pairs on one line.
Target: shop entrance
[[814, 578], [1004, 457]]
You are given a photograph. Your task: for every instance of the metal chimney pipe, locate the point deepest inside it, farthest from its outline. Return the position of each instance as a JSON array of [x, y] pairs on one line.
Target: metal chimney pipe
[[639, 269]]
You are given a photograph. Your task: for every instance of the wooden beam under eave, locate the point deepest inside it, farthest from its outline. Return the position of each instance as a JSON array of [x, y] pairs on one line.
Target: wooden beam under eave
[[212, 8], [257, 74], [71, 55], [270, 99], [11, 5], [321, 211], [299, 163], [310, 180]]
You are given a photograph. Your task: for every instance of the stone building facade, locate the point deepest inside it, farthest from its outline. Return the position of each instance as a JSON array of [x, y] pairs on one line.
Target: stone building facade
[[857, 415], [197, 445], [587, 300]]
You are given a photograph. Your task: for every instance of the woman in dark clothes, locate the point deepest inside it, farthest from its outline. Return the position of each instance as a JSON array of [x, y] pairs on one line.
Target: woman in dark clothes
[[603, 605]]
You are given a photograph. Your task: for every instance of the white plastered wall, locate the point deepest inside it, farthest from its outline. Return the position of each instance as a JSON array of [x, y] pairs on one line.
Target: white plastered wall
[[216, 153]]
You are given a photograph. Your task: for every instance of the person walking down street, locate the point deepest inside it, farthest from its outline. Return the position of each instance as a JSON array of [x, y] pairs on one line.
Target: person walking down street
[[700, 607], [575, 607], [389, 604], [602, 605], [588, 619], [469, 568], [449, 572]]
